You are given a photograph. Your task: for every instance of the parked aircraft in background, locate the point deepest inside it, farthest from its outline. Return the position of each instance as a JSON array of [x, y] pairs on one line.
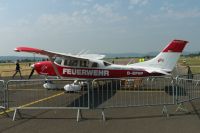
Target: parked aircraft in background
[[92, 66]]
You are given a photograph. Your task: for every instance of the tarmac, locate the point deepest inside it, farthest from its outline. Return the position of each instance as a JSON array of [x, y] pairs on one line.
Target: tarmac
[[123, 120], [147, 119]]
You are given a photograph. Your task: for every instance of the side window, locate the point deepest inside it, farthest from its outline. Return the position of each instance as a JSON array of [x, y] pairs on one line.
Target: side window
[[83, 63], [66, 63], [94, 64], [73, 63]]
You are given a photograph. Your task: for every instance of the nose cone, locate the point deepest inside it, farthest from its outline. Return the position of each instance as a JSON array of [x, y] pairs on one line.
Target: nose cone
[[44, 68]]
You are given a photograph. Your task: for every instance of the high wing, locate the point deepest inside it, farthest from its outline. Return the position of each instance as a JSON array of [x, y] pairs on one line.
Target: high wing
[[56, 54], [92, 56]]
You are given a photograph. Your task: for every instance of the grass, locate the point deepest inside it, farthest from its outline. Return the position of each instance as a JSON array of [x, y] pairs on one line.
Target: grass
[[193, 62], [8, 69]]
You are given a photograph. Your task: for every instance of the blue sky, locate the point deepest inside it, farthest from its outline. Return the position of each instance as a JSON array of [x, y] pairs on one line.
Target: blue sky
[[106, 26]]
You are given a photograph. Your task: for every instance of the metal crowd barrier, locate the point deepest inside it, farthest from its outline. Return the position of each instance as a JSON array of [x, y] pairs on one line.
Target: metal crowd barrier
[[100, 94], [30, 94], [2, 94], [133, 92], [2, 97], [109, 93], [194, 76], [187, 90]]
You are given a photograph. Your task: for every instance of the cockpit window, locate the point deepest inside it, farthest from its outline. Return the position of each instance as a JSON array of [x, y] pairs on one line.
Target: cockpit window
[[106, 64], [58, 61]]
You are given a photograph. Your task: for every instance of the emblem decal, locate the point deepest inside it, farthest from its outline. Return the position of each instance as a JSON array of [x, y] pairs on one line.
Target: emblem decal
[[161, 60]]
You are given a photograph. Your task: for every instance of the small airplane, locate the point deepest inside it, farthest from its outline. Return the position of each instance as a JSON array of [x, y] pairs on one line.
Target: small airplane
[[92, 66]]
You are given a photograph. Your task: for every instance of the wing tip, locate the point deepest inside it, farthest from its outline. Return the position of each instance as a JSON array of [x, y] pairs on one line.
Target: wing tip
[[16, 50]]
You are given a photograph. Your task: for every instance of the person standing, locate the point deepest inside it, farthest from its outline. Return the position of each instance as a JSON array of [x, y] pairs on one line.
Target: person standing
[[189, 73], [17, 70]]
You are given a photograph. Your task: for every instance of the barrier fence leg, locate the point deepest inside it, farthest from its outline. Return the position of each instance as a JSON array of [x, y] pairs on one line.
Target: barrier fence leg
[[15, 112], [181, 108], [103, 115], [165, 111], [79, 115], [4, 111]]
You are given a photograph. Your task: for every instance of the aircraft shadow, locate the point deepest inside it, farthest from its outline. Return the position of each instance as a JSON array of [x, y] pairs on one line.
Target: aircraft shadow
[[97, 95], [175, 90]]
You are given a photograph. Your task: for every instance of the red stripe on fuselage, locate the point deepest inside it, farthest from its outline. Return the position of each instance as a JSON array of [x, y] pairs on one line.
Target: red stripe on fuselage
[[100, 73]]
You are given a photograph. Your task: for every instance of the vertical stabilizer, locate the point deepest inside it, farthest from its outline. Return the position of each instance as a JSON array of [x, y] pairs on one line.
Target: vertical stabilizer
[[167, 58]]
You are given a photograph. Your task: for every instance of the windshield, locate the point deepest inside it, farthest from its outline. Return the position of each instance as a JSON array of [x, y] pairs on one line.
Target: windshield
[[58, 61]]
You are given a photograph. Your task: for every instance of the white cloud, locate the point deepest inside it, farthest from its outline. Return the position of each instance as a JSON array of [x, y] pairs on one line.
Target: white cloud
[[97, 14], [82, 2], [167, 11], [65, 19], [106, 13], [193, 13], [138, 2], [95, 19], [170, 11]]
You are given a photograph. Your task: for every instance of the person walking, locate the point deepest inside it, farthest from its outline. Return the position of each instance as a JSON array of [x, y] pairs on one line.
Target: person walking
[[17, 70]]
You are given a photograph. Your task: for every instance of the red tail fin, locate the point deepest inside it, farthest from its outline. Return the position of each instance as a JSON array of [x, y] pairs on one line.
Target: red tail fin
[[175, 46]]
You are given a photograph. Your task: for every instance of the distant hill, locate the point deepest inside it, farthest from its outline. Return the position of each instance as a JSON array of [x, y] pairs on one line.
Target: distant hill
[[151, 54], [21, 58], [114, 55], [108, 55]]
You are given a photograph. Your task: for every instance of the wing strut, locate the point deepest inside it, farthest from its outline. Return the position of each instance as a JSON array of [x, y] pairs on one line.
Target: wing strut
[[54, 67]]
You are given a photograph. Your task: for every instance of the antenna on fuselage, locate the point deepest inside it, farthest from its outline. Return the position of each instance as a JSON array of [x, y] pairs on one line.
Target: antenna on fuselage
[[81, 52], [86, 52]]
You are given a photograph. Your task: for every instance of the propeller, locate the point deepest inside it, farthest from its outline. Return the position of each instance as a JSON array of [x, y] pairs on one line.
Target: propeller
[[32, 71]]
